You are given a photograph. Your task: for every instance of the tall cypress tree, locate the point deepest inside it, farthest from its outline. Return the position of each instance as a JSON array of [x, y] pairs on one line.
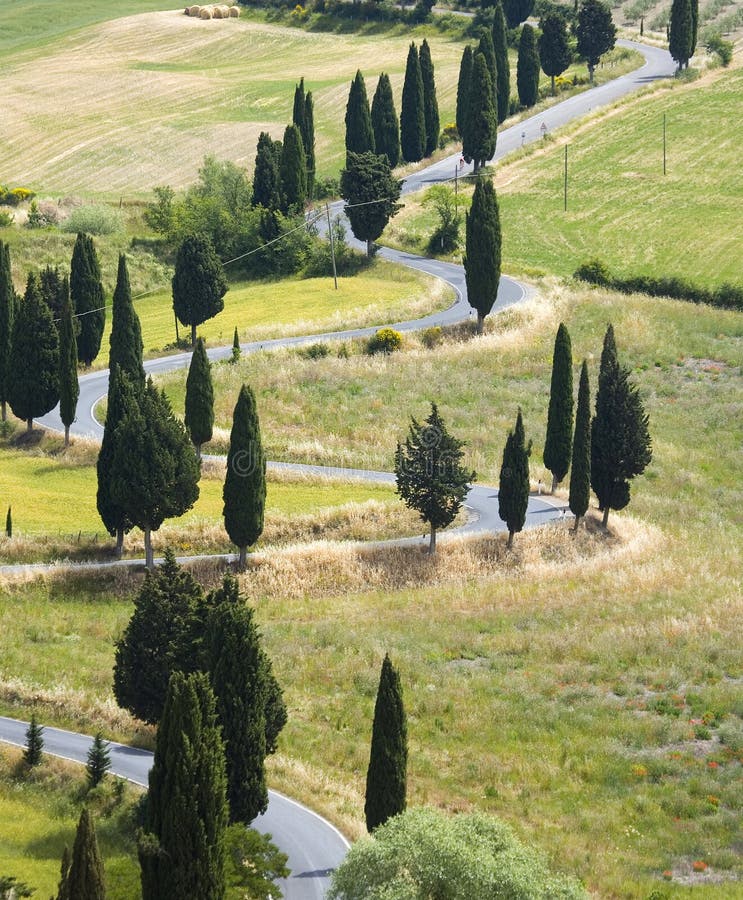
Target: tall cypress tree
[[620, 440], [359, 131], [85, 878], [386, 777], [182, 846], [293, 171], [63, 888], [298, 109], [554, 50], [199, 283], [503, 66], [487, 49], [32, 752], [513, 485], [52, 290], [694, 26], [199, 418], [384, 121], [482, 259], [558, 443], [430, 103], [517, 11], [527, 67], [86, 290], [463, 90], [266, 187], [33, 382], [244, 491], [481, 124], [308, 142], [238, 679], [69, 386], [412, 116], [580, 470], [7, 310], [681, 33], [126, 345]]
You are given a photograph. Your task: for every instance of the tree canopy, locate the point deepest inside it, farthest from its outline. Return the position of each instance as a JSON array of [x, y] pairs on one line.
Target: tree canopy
[[481, 121], [359, 131], [199, 417], [412, 112], [371, 195], [558, 443], [199, 284], [482, 258], [554, 50], [596, 32], [86, 290], [430, 103], [513, 484], [527, 67], [384, 122]]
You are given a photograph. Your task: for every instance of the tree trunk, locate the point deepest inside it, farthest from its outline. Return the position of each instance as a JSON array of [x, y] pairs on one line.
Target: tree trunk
[[475, 166], [554, 485], [119, 542], [605, 520], [67, 436], [5, 413], [432, 544], [553, 84], [577, 523], [29, 426], [480, 322], [198, 451], [370, 249], [590, 73], [193, 337], [510, 540], [149, 559], [242, 559]]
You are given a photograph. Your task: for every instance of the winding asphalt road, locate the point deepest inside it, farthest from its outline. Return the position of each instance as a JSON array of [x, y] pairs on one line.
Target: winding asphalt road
[[314, 846]]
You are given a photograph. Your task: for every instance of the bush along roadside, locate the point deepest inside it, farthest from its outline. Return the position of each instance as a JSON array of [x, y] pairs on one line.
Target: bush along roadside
[[726, 296]]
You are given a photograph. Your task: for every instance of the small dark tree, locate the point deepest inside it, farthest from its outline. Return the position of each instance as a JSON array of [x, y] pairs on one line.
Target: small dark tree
[[481, 123], [517, 11], [371, 195], [199, 417], [156, 473], [33, 382], [7, 311], [308, 142], [244, 491], [266, 185], [126, 333], [69, 386], [99, 762], [63, 889], [158, 640], [694, 27], [482, 259], [386, 777], [198, 283], [182, 846], [430, 476], [293, 171], [88, 302], [9, 523], [503, 66], [359, 131], [236, 352], [580, 470], [384, 122], [513, 486], [558, 443], [596, 33], [463, 90], [681, 32], [52, 290], [85, 878], [430, 103], [620, 440], [256, 862], [412, 115], [554, 50], [527, 68], [487, 49], [13, 889], [32, 752]]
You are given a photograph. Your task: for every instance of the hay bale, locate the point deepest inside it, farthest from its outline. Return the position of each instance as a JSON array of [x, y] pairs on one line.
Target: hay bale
[[205, 13], [225, 11], [217, 13], [234, 12], [186, 12], [194, 11]]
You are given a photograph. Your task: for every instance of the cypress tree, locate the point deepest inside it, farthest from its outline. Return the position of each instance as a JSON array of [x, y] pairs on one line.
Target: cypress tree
[[580, 470], [517, 11], [527, 67], [199, 419], [266, 190], [182, 846], [481, 124], [7, 310], [463, 90], [430, 103], [238, 679], [487, 49], [513, 486], [88, 302], [63, 889], [558, 443], [69, 386], [308, 142], [359, 131], [126, 346], [158, 640], [85, 878], [9, 522], [554, 50], [681, 33], [386, 777], [482, 259], [694, 27], [293, 171], [52, 290], [620, 440], [412, 116], [298, 109], [595, 31], [99, 761], [155, 471], [198, 284], [33, 383], [32, 752], [371, 194], [384, 122], [244, 491], [235, 347], [503, 66]]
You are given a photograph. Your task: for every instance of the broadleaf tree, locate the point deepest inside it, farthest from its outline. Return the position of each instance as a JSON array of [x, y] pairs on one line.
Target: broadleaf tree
[[596, 33], [371, 195], [554, 50], [199, 284]]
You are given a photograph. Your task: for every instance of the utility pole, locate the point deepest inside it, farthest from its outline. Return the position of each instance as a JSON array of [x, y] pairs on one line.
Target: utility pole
[[565, 192], [332, 246]]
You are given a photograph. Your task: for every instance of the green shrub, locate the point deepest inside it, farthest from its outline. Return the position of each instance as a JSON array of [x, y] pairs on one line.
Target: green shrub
[[315, 351], [327, 189], [6, 218], [14, 197], [731, 735], [432, 337], [386, 340], [724, 49], [95, 220], [449, 135]]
